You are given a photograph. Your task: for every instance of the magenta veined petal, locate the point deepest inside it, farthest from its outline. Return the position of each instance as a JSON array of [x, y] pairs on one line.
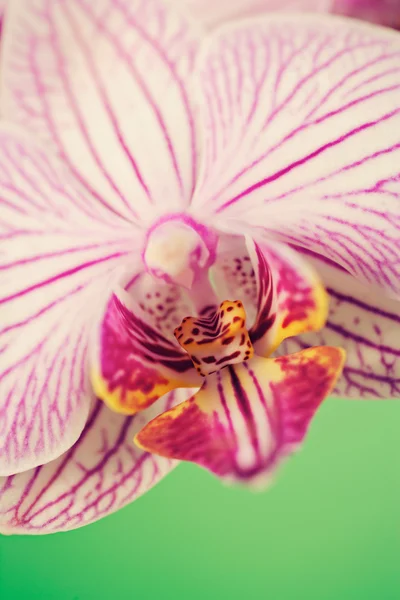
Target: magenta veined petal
[[214, 13], [247, 417], [367, 326], [58, 255], [101, 473], [301, 121], [103, 84]]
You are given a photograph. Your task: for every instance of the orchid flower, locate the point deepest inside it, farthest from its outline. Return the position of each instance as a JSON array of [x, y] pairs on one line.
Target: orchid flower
[[173, 206]]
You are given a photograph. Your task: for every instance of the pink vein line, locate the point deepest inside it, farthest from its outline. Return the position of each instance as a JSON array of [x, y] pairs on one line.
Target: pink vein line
[[61, 275], [103, 94], [300, 162]]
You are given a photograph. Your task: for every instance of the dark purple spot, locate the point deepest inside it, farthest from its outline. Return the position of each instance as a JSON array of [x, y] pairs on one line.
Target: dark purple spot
[[209, 359], [230, 357]]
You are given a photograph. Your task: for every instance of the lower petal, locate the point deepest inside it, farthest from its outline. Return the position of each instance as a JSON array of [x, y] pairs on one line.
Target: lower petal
[[367, 324], [100, 474], [246, 418]]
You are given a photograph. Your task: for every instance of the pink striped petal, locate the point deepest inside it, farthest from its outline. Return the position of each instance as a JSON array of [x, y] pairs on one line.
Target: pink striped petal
[[213, 12], [103, 84], [133, 364], [368, 327], [248, 417], [57, 257], [103, 472], [301, 121]]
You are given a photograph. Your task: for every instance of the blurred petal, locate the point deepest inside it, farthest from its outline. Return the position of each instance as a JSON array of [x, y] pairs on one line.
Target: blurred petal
[[213, 12], [57, 257], [103, 84], [133, 364], [301, 122], [103, 472], [247, 418], [367, 325], [385, 12]]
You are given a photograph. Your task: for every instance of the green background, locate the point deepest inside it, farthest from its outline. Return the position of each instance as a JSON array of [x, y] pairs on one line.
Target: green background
[[328, 529]]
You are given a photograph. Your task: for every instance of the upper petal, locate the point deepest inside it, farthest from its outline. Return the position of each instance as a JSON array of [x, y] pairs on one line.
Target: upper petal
[[212, 13], [104, 84], [101, 473], [301, 122], [367, 325], [57, 258], [248, 417]]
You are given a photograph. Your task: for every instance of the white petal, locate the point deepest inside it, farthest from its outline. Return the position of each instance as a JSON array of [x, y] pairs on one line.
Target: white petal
[[58, 256], [103, 84], [301, 122]]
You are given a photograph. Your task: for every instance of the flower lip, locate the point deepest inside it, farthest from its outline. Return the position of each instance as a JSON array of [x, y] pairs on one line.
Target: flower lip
[[179, 249]]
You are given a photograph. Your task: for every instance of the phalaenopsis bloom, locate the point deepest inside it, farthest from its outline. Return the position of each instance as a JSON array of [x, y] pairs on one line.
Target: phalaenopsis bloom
[[198, 230]]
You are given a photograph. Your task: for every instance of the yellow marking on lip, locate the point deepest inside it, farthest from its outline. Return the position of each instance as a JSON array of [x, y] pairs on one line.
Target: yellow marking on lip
[[132, 401], [315, 318]]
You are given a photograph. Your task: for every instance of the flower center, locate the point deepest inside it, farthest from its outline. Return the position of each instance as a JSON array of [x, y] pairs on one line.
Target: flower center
[[218, 340], [179, 249]]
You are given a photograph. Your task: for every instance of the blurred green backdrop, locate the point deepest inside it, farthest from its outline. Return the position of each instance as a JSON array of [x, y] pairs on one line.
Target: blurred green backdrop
[[329, 529]]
